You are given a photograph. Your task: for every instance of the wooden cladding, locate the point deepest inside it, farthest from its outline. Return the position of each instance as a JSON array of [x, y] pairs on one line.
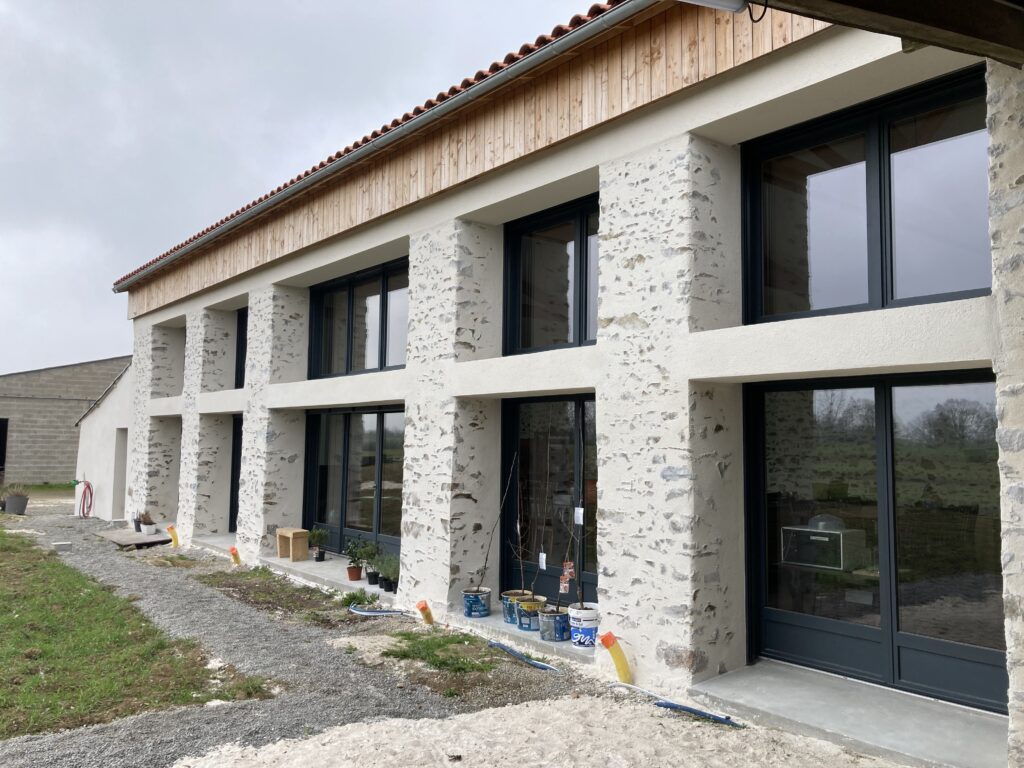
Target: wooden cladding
[[635, 64]]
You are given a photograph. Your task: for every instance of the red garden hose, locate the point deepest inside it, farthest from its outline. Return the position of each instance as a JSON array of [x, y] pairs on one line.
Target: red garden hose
[[85, 504]]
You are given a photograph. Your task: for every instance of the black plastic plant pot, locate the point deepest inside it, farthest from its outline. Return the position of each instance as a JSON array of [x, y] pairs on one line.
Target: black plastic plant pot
[[138, 525], [321, 555], [384, 584], [373, 577], [392, 586]]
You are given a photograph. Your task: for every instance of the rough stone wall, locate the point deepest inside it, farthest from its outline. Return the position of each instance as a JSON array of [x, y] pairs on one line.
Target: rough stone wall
[[1006, 229], [479, 298], [163, 448], [273, 441], [137, 493], [42, 408], [663, 231], [218, 329]]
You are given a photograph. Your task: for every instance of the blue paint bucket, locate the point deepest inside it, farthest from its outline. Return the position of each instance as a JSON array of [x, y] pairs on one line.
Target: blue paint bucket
[[583, 623], [528, 612], [476, 603], [508, 604], [554, 624]]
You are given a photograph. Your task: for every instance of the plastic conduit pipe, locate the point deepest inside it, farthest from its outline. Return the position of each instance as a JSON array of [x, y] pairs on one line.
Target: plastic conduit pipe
[[668, 704], [424, 609], [367, 612], [173, 533], [611, 643], [523, 657], [85, 502], [235, 560]]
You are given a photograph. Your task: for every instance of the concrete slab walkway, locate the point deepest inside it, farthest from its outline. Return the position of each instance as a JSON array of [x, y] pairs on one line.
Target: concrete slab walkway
[[869, 718]]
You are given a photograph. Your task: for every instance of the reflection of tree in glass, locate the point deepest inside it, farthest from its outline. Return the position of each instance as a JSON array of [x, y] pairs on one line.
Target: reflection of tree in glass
[[839, 415], [953, 422]]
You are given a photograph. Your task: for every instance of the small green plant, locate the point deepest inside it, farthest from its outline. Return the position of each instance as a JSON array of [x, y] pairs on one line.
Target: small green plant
[[388, 565], [358, 597], [370, 552], [450, 693], [355, 551], [318, 537], [440, 650]]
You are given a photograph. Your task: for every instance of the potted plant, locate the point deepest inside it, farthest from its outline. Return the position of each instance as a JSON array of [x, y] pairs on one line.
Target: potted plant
[[15, 499], [355, 551], [3, 498], [317, 540], [147, 524], [389, 566], [370, 554]]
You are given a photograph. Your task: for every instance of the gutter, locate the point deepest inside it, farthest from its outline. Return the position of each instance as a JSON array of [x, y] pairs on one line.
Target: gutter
[[557, 47]]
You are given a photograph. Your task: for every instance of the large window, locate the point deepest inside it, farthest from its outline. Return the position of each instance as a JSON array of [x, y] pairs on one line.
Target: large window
[[360, 323], [882, 205], [550, 460], [354, 474], [551, 259], [878, 531]]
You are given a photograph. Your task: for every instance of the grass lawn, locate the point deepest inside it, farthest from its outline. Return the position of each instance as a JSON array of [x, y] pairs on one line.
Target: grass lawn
[[72, 653]]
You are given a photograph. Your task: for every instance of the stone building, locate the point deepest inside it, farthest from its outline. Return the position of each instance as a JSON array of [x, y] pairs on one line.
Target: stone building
[[39, 411], [749, 294]]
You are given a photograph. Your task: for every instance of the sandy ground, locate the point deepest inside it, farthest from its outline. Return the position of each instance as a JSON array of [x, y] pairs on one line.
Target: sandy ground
[[587, 731]]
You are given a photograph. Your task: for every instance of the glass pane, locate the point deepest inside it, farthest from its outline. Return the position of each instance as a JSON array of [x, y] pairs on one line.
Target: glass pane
[[329, 463], [593, 248], [548, 277], [590, 487], [949, 580], [391, 474], [815, 228], [547, 473], [398, 317], [362, 471], [366, 325], [940, 201], [822, 504], [334, 341]]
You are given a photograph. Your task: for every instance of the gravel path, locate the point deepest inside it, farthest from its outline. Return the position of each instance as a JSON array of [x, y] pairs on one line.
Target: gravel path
[[324, 685]]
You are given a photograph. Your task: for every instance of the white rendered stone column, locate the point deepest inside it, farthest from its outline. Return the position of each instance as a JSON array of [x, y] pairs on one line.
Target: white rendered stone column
[[1006, 229], [273, 441], [669, 471], [153, 472], [452, 461]]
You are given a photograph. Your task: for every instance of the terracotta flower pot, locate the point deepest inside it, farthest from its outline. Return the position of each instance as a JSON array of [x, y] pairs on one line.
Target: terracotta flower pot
[[355, 572]]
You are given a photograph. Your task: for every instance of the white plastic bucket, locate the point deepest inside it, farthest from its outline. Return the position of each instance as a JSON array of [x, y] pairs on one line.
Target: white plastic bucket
[[583, 623]]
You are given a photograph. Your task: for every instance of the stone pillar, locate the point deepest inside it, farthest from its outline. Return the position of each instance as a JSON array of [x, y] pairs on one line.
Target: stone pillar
[[1006, 229], [205, 440], [153, 473], [273, 441], [452, 466], [669, 458]]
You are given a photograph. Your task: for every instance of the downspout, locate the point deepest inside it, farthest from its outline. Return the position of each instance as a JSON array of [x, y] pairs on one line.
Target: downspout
[[557, 47]]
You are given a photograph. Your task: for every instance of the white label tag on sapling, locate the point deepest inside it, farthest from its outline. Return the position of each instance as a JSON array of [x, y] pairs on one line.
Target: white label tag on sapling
[[542, 561], [579, 515]]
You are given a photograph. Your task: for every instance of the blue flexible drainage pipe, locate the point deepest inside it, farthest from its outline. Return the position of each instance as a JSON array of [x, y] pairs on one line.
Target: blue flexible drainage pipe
[[522, 657], [366, 612], [668, 704]]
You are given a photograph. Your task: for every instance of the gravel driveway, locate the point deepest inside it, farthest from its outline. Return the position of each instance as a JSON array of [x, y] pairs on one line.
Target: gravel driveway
[[324, 685]]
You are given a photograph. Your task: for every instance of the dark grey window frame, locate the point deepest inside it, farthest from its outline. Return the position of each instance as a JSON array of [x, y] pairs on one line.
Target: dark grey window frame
[[5, 425], [337, 538], [316, 330], [873, 119], [241, 345], [581, 209], [848, 641]]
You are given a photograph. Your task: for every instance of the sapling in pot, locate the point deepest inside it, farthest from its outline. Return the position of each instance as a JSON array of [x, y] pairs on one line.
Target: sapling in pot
[[318, 539], [147, 524], [370, 554], [355, 551], [476, 599]]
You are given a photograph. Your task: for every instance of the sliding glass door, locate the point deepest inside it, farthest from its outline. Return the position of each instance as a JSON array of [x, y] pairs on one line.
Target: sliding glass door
[[550, 468], [876, 531]]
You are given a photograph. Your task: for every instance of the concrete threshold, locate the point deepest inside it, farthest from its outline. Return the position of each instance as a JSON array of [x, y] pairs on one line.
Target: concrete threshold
[[868, 718]]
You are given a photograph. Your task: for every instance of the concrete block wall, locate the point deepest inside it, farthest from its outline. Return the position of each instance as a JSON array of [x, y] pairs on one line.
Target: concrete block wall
[[1006, 230]]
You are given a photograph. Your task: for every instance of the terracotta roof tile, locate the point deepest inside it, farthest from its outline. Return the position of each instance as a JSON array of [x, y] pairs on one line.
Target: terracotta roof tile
[[525, 50]]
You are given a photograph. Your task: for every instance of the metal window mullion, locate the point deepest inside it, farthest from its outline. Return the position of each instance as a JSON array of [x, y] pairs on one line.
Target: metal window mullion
[[349, 325], [886, 527], [378, 475], [382, 332]]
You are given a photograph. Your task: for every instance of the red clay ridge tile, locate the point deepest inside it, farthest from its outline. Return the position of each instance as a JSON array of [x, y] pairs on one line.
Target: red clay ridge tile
[[525, 50]]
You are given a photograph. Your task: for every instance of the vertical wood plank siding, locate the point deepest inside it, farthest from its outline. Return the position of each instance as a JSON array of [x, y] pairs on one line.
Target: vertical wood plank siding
[[630, 67]]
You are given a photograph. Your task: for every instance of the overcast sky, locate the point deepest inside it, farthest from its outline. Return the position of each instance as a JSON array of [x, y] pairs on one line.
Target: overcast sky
[[125, 127]]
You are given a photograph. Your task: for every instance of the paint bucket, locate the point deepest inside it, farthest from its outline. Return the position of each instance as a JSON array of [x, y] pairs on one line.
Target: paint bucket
[[554, 624], [583, 624], [476, 603], [527, 612], [508, 603]]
